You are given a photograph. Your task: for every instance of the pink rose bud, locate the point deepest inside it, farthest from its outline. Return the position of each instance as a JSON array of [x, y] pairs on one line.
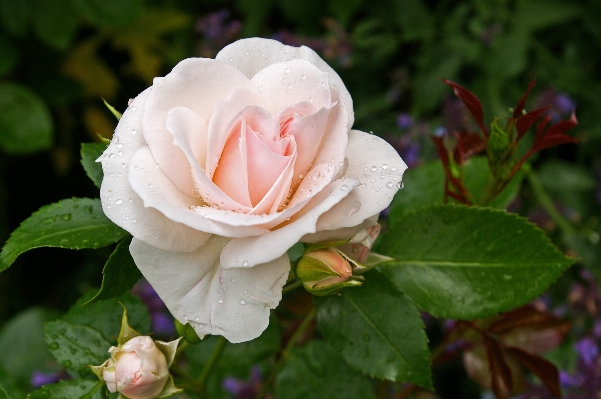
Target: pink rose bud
[[137, 369], [325, 271]]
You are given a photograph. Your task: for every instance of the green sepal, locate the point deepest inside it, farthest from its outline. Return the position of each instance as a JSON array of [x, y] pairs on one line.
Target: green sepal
[[126, 333], [116, 113], [168, 349], [187, 332], [316, 290], [169, 389]]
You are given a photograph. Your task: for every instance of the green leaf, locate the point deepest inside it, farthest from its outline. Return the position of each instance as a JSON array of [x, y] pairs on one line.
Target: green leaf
[[74, 389], [429, 177], [71, 223], [15, 15], [55, 22], [105, 316], [465, 263], [110, 13], [120, 273], [477, 174], [25, 121], [378, 330], [317, 371], [75, 346], [23, 348], [8, 386], [89, 154]]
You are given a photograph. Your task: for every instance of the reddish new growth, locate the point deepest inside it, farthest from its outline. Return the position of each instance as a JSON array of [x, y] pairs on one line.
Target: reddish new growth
[[500, 144]]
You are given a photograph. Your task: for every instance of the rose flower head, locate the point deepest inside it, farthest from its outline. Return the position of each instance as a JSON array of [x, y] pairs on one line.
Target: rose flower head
[[138, 367], [224, 164]]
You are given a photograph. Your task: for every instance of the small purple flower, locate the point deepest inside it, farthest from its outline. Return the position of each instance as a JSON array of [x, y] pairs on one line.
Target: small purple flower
[[564, 103], [162, 322], [588, 350], [404, 121], [39, 378], [440, 131], [244, 389]]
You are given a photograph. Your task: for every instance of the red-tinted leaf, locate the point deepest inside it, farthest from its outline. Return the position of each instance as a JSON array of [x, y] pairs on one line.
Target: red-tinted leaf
[[517, 112], [442, 151], [540, 128], [476, 366], [561, 127], [468, 144], [525, 316], [524, 122], [502, 381], [471, 102], [542, 368], [552, 141]]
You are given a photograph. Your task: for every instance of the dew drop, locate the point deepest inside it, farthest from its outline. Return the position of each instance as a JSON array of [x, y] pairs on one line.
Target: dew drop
[[66, 217], [197, 319], [389, 184], [123, 165], [233, 280], [374, 168], [231, 59], [287, 70], [400, 185], [363, 185], [384, 166], [393, 169], [356, 206], [118, 202], [186, 317], [507, 277], [242, 302], [303, 77], [344, 187], [220, 301], [150, 185], [323, 84], [133, 220], [245, 263], [374, 140]]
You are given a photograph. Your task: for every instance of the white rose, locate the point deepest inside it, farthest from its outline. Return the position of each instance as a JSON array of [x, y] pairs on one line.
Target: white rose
[[222, 165]]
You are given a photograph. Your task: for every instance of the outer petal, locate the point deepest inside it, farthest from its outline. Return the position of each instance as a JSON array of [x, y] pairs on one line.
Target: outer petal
[[250, 251], [197, 84], [284, 84], [120, 202], [197, 290], [252, 55], [157, 192], [380, 170]]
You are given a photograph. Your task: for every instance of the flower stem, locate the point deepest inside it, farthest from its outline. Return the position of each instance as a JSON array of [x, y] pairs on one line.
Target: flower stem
[[545, 201], [291, 343], [210, 364]]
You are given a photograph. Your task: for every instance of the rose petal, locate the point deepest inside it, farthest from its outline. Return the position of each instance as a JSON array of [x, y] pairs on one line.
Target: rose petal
[[252, 55], [344, 233], [308, 132], [186, 125], [157, 192], [293, 82], [379, 168], [197, 84], [233, 303], [251, 251], [232, 174], [335, 139], [120, 202], [316, 180], [220, 125]]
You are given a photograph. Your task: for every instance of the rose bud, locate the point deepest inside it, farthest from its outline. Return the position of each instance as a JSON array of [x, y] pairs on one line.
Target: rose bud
[[138, 369], [325, 271]]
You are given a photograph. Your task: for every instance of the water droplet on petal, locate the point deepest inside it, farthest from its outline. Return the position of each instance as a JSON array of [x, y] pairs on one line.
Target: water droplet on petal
[[245, 263], [344, 187], [400, 185], [118, 202], [150, 185], [393, 169], [287, 70], [389, 184], [242, 302], [384, 166], [303, 77], [220, 301]]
